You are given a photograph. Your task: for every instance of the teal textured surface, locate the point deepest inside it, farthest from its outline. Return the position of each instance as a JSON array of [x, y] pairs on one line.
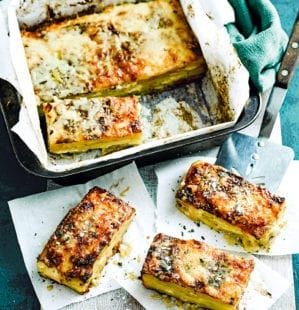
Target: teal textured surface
[[16, 291], [290, 110], [259, 39]]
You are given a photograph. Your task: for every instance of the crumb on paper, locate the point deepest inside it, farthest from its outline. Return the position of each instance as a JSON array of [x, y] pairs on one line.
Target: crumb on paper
[[171, 117], [116, 184], [261, 289], [209, 14], [50, 287], [124, 192], [190, 12], [132, 276], [266, 293], [125, 249]]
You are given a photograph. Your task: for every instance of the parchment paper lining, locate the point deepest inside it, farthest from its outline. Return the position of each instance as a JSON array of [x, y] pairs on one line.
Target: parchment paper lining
[[34, 138]]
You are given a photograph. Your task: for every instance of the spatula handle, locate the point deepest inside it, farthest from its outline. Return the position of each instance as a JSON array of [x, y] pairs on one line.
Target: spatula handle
[[290, 58]]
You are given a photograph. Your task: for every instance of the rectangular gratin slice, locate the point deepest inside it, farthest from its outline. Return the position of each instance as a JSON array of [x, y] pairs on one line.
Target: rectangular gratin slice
[[126, 49], [86, 238], [78, 125], [245, 212], [196, 273]]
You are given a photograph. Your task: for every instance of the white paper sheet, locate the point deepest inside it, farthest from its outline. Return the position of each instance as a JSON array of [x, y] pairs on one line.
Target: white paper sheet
[[171, 221], [220, 11], [265, 286], [229, 76], [36, 218]]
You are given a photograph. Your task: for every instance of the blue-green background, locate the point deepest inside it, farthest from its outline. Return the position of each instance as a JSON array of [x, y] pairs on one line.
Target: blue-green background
[[16, 291], [288, 9]]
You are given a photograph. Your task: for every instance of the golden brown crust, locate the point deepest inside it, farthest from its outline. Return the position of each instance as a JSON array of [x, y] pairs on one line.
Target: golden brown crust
[[230, 197], [86, 120], [81, 236], [199, 267], [121, 45]]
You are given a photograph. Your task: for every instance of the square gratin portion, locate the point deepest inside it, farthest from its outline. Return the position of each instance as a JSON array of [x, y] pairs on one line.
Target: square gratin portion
[[86, 238], [225, 201], [126, 49], [78, 125], [196, 272]]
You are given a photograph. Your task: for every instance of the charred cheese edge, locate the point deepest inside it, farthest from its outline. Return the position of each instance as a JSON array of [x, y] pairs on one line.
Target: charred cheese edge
[[126, 49], [195, 272], [85, 239], [226, 202], [78, 125]]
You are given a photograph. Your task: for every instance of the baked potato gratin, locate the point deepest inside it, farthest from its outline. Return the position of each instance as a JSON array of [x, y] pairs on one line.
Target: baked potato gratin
[[86, 238], [78, 125], [80, 64], [125, 49], [195, 272], [226, 202]]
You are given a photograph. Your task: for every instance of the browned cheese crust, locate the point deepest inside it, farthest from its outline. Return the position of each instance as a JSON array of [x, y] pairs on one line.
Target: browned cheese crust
[[199, 267], [82, 235], [80, 124], [121, 45], [228, 196]]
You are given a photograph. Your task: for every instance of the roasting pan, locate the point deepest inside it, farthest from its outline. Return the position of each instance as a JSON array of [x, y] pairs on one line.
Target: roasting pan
[[10, 103]]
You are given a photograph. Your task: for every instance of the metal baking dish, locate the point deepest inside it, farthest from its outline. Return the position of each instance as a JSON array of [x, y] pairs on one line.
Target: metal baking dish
[[10, 101]]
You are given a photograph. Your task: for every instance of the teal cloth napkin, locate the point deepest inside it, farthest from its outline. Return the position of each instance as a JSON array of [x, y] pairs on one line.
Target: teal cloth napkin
[[259, 39]]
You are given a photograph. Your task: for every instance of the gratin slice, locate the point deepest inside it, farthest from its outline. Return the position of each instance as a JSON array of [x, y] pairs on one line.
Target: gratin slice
[[78, 125], [86, 238], [125, 49], [225, 201], [196, 272]]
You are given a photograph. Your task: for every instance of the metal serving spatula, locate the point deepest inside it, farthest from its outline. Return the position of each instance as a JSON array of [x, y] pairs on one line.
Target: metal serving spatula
[[257, 159]]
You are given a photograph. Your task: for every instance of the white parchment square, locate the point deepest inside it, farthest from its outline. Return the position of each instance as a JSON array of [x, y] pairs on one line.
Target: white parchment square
[[36, 218], [265, 287]]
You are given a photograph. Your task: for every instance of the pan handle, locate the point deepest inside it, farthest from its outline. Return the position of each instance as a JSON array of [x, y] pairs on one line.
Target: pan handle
[[290, 58]]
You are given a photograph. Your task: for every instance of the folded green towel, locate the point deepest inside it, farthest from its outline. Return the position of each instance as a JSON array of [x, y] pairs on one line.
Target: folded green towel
[[259, 39]]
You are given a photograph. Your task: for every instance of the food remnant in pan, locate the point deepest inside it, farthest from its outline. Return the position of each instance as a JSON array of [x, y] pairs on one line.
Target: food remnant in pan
[[171, 118]]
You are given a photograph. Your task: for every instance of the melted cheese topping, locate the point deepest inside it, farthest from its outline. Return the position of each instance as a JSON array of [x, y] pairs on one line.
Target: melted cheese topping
[[121, 45], [85, 239], [194, 269], [215, 190], [82, 124]]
